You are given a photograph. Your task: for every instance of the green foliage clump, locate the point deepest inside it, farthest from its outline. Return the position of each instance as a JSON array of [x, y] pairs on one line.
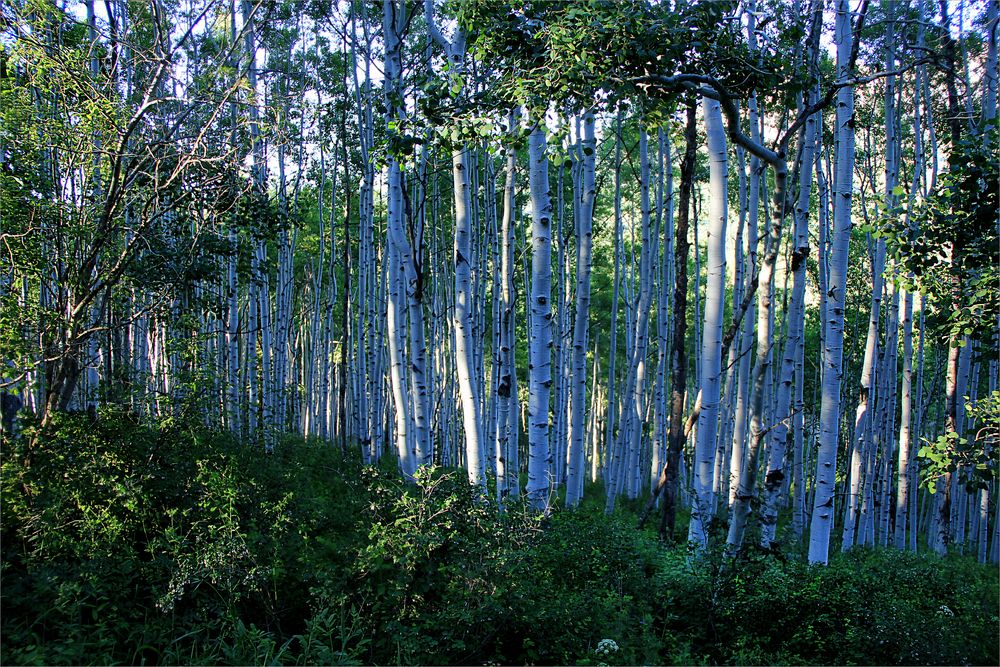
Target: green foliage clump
[[128, 543], [446, 578], [867, 606]]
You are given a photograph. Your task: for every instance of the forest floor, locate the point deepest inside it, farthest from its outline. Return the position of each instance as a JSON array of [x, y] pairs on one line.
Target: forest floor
[[125, 543]]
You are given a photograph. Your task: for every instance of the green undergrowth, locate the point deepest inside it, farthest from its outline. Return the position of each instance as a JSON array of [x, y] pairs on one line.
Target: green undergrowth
[[126, 543]]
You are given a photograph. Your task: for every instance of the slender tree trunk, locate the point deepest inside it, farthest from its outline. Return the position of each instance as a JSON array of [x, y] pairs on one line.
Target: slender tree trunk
[[678, 352], [540, 348], [610, 461], [507, 403], [584, 241], [775, 476], [394, 19], [715, 296], [826, 458], [463, 315]]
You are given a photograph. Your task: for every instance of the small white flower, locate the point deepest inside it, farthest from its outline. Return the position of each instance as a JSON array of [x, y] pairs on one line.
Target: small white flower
[[943, 610], [606, 647]]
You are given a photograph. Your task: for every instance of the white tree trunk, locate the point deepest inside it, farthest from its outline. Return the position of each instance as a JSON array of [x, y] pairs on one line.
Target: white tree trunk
[[776, 474], [633, 413], [468, 385], [584, 241], [826, 458], [611, 411], [506, 392], [540, 340], [711, 350]]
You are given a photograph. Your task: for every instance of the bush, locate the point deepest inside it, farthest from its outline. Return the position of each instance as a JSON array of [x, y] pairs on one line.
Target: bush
[[867, 607], [447, 579], [132, 543], [124, 542]]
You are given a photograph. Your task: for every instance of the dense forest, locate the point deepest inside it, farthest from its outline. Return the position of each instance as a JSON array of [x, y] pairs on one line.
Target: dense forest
[[499, 331]]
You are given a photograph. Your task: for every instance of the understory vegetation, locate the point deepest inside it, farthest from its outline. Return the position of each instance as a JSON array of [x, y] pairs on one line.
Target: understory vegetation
[[128, 543]]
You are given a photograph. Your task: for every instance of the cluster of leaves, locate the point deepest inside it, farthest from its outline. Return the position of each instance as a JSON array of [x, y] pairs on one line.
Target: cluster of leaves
[[976, 458], [603, 51], [950, 248]]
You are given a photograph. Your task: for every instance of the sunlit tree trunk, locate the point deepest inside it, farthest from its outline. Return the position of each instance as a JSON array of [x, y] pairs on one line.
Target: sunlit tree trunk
[[711, 351]]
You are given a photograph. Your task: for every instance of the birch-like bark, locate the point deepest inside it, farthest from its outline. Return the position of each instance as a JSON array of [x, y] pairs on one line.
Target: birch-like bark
[[394, 20], [738, 450], [665, 210], [397, 366], [612, 403], [826, 458], [463, 312], [903, 467], [584, 240], [469, 379], [506, 392], [540, 341], [633, 414], [991, 71], [862, 428], [775, 476], [711, 351]]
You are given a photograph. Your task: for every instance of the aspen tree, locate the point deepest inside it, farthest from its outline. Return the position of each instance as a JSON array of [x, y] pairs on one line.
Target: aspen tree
[[633, 415], [715, 293], [678, 357], [506, 392], [784, 416], [369, 356], [738, 449], [584, 242], [793, 342], [665, 209], [610, 462], [540, 339], [394, 20], [826, 458], [468, 380], [904, 464]]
